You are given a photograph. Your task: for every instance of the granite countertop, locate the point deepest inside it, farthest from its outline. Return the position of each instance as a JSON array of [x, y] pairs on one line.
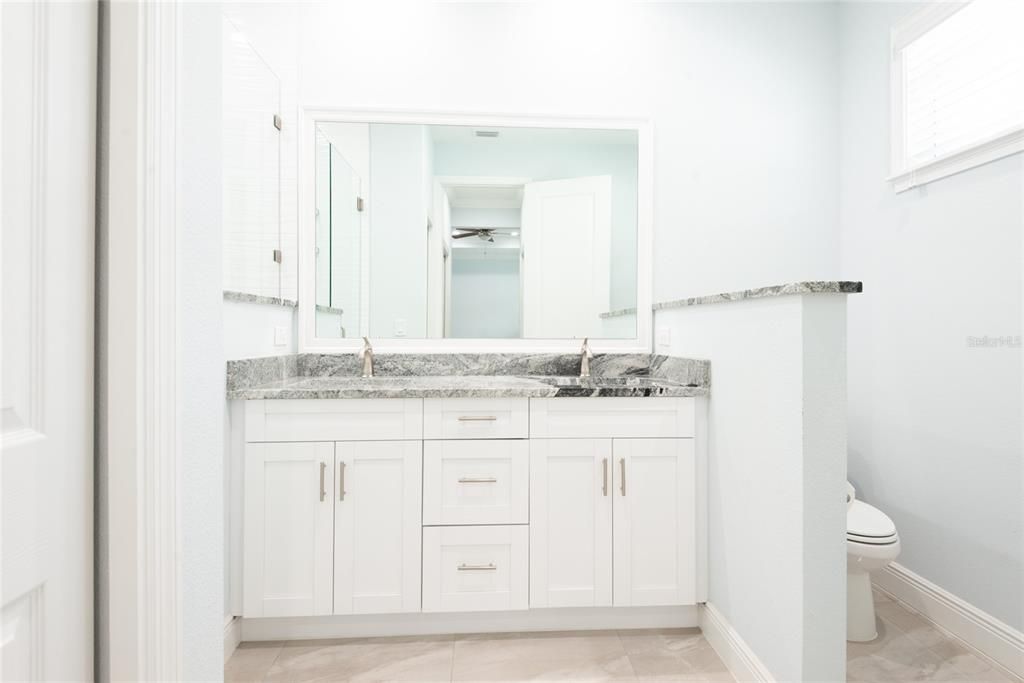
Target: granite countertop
[[330, 376], [806, 287]]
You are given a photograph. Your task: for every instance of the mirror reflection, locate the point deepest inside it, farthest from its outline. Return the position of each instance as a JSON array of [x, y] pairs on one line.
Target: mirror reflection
[[475, 232]]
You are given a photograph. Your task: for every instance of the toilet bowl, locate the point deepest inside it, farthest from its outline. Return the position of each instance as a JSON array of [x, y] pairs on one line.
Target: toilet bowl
[[871, 544]]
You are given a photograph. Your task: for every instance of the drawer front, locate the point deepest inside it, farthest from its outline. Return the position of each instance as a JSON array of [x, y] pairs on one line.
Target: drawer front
[[607, 418], [476, 482], [474, 418], [475, 568], [362, 419]]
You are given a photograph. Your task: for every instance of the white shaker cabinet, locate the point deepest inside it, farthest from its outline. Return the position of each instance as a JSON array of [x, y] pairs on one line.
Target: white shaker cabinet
[[373, 506], [654, 522], [289, 521], [377, 527], [570, 522]]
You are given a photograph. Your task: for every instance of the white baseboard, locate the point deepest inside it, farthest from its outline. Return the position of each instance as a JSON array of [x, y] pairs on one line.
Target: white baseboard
[[734, 651], [232, 635], [557, 619], [996, 641]]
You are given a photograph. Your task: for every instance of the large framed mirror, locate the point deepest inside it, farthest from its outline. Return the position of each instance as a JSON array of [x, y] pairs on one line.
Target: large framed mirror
[[441, 232]]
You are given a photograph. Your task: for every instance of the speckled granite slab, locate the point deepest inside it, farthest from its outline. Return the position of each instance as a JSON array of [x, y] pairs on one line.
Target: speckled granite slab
[[464, 386], [810, 287], [465, 375], [246, 298], [480, 364]]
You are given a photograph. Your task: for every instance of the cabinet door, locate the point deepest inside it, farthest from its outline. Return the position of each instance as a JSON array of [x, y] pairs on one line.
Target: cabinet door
[[570, 522], [377, 527], [655, 530], [288, 523]]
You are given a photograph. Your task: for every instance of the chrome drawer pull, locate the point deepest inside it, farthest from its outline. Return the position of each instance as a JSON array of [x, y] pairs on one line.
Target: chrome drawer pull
[[477, 418], [323, 491], [477, 567], [477, 480], [622, 484], [341, 480], [604, 483]]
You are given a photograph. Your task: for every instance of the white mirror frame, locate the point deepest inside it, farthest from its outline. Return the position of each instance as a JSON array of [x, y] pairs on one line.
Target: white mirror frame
[[310, 343]]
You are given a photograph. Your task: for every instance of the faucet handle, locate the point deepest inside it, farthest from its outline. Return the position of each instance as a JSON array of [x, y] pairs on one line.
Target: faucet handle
[[585, 349], [366, 347]]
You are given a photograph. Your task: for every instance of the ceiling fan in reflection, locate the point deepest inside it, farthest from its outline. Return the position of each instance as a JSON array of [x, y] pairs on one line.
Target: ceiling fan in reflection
[[486, 234]]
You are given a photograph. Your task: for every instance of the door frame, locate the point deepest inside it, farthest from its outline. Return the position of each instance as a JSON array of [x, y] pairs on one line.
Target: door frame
[[441, 184], [138, 421]]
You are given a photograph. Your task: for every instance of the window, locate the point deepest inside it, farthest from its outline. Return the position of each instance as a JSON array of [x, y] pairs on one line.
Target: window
[[958, 89]]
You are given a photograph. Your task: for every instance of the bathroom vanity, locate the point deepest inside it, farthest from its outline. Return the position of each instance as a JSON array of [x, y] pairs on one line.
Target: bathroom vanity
[[542, 490], [471, 493]]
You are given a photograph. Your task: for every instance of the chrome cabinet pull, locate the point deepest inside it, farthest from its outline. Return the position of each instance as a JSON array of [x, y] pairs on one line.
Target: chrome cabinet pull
[[323, 491], [341, 480], [477, 567], [604, 483], [477, 418], [477, 480], [622, 482]]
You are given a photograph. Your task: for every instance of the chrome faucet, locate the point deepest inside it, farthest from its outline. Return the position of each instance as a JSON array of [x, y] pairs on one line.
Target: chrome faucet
[[367, 355], [585, 355]]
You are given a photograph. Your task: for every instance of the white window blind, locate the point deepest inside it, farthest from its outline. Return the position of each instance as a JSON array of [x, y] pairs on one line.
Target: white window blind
[[962, 84]]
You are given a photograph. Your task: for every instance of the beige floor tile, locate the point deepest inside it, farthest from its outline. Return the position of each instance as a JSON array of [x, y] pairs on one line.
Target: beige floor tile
[[542, 656], [366, 659], [675, 654], [914, 625], [251, 661]]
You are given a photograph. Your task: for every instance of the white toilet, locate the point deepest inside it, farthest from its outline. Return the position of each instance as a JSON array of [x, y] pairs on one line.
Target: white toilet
[[871, 544]]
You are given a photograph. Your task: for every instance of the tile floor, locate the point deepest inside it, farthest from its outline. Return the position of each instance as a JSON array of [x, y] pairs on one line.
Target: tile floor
[[908, 649]]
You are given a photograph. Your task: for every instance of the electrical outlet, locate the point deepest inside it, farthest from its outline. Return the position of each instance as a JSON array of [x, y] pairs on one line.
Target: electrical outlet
[[664, 337], [400, 329], [280, 336]]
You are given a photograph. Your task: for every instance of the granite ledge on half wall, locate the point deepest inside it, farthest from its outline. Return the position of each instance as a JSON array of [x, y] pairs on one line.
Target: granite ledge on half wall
[[247, 298], [807, 287]]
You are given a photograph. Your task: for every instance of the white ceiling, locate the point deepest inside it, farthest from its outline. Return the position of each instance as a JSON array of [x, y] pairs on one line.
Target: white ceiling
[[485, 196]]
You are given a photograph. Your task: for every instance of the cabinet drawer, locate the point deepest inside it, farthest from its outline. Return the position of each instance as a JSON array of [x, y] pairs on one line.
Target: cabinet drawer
[[475, 568], [476, 482], [345, 419], [607, 418], [474, 418]]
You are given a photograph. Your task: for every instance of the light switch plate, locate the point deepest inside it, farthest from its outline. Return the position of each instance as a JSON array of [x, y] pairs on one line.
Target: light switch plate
[[400, 327], [664, 337], [280, 336]]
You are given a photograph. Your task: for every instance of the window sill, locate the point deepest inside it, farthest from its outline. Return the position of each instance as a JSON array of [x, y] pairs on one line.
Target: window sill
[[976, 155]]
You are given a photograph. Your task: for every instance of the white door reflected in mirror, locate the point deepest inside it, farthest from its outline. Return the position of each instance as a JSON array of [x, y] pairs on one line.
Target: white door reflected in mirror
[[427, 231]]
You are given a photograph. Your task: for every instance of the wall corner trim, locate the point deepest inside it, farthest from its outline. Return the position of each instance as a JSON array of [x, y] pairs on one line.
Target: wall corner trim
[[742, 662], [232, 636], [997, 642]]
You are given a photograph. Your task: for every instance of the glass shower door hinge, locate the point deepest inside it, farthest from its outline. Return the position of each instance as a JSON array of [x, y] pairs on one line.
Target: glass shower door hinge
[[277, 256], [359, 203], [277, 121]]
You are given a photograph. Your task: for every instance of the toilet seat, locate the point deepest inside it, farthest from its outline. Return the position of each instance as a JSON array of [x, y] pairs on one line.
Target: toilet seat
[[869, 525]]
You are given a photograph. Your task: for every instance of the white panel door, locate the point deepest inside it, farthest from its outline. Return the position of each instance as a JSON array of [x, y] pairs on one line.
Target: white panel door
[[570, 522], [377, 527], [46, 467], [655, 522], [289, 505], [566, 241]]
